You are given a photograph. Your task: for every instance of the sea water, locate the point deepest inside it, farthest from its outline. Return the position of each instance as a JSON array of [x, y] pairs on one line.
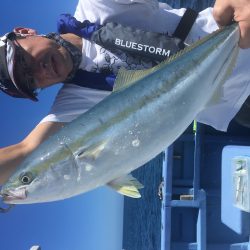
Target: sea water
[[142, 217]]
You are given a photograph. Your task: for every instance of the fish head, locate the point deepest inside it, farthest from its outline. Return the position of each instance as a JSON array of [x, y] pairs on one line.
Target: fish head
[[42, 178]]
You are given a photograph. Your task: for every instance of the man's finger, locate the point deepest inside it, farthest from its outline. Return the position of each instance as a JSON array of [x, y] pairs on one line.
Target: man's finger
[[223, 13]]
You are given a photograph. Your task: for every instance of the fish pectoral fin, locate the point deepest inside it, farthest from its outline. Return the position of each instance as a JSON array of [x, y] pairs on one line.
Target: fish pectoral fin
[[127, 185], [93, 151]]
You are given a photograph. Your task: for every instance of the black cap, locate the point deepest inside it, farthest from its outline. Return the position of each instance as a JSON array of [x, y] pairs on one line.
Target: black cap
[[9, 83]]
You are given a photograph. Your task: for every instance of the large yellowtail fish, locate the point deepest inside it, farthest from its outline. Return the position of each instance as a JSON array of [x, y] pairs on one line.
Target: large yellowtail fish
[[147, 111]]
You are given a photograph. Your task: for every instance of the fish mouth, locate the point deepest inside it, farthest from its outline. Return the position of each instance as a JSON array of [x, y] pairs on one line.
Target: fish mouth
[[9, 196]]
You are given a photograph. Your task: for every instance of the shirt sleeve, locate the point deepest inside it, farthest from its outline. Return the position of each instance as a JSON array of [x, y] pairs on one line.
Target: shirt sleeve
[[72, 101]]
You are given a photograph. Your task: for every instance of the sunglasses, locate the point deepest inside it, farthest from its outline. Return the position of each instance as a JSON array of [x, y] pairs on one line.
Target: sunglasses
[[23, 72]]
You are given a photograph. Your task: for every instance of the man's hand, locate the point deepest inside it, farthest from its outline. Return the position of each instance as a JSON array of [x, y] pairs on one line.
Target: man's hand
[[238, 10]]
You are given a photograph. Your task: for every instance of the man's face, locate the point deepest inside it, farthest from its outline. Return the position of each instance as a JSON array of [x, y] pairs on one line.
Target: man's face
[[48, 62]]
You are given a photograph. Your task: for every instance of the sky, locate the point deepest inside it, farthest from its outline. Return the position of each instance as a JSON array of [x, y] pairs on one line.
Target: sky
[[92, 221]]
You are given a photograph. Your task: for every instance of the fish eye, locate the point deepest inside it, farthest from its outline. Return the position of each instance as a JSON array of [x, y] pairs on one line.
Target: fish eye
[[26, 178]]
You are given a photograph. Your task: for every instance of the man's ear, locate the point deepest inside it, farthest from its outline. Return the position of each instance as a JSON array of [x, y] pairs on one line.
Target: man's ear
[[25, 31]]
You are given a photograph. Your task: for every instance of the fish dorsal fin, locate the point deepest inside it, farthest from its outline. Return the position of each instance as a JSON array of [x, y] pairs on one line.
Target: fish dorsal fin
[[127, 185], [126, 78]]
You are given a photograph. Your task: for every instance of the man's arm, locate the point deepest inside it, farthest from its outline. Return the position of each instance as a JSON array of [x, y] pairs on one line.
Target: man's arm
[[239, 10], [12, 156]]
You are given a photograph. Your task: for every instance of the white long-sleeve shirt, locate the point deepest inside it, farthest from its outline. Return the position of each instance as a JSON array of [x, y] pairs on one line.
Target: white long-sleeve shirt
[[73, 100]]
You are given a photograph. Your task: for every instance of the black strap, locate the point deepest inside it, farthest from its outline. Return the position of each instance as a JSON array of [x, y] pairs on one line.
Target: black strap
[[185, 24]]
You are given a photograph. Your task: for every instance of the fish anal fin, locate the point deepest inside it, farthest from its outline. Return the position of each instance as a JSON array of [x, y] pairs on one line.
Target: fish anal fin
[[127, 185]]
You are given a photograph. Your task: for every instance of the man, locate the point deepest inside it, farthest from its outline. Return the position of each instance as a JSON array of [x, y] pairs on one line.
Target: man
[[38, 66], [73, 100]]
